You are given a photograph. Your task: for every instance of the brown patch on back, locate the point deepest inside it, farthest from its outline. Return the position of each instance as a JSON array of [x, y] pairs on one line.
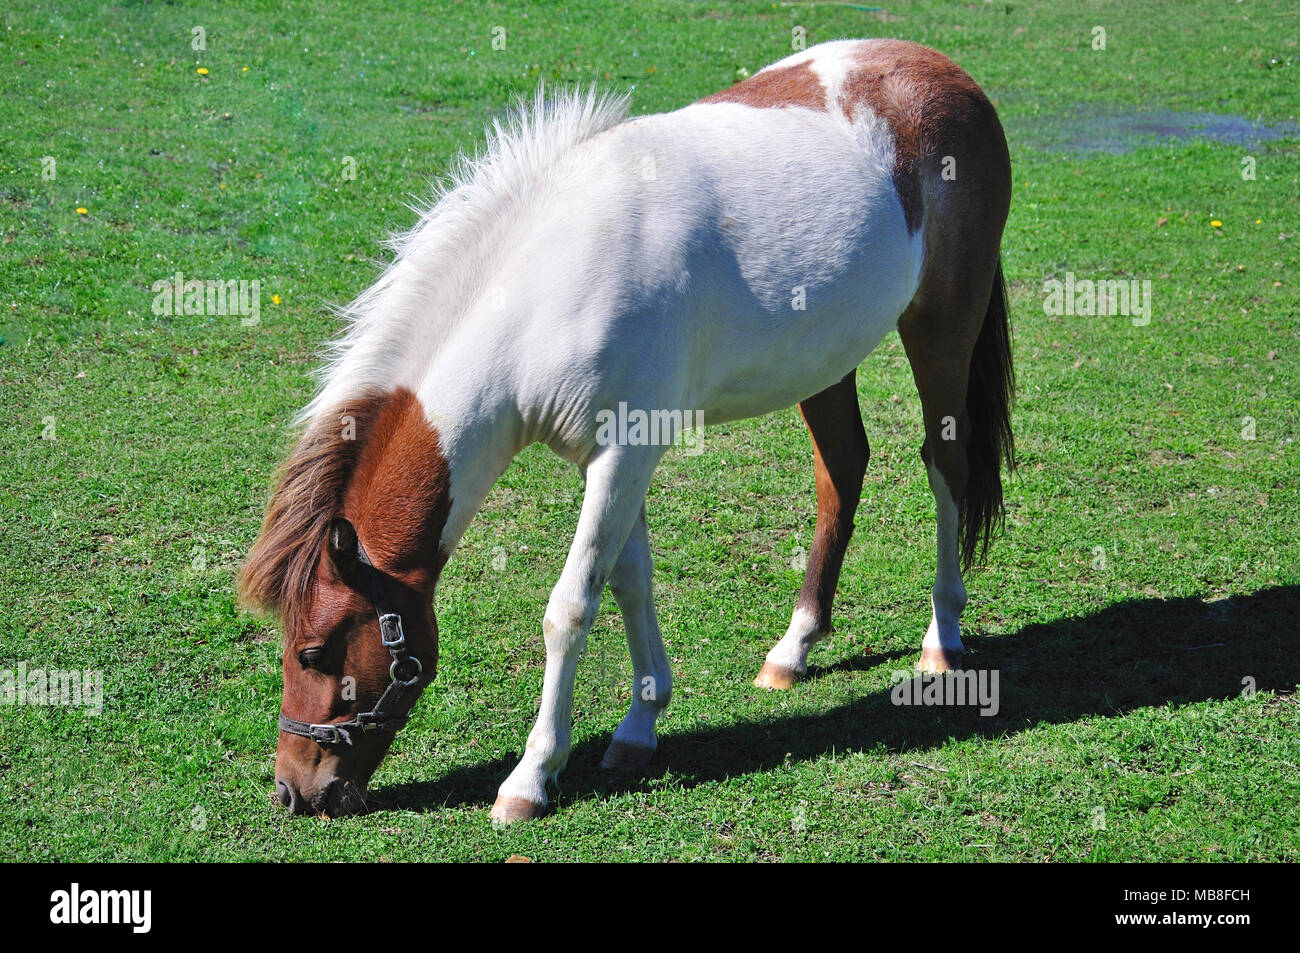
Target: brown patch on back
[[933, 108], [390, 480], [772, 88]]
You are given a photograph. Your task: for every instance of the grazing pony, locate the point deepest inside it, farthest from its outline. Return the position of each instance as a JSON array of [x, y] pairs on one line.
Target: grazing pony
[[733, 258]]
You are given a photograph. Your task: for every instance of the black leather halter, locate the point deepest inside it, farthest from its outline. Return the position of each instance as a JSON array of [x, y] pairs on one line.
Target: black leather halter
[[381, 717]]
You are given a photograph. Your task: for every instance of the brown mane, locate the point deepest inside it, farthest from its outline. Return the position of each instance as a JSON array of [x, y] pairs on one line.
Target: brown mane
[[349, 461]]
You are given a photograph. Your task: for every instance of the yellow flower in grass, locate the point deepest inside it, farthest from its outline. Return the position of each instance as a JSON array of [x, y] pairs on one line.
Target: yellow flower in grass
[[202, 71], [275, 299], [82, 210], [1216, 224]]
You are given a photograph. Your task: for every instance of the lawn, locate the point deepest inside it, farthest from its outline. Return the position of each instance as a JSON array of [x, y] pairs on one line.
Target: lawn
[[1142, 608]]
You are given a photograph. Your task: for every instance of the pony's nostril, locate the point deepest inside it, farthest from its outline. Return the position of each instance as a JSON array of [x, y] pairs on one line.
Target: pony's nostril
[[286, 794]]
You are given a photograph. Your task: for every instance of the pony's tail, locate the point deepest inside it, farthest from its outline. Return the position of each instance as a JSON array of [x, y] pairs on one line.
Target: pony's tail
[[989, 395]]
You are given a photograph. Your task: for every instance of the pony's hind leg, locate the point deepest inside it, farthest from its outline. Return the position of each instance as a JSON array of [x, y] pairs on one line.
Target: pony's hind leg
[[957, 343], [941, 375], [634, 740], [942, 649], [840, 455]]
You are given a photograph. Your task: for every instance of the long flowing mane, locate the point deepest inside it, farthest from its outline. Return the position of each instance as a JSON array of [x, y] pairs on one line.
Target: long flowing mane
[[372, 459], [443, 263], [309, 491]]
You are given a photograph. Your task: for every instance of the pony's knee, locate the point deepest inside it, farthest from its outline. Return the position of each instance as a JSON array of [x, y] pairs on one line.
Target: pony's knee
[[565, 624]]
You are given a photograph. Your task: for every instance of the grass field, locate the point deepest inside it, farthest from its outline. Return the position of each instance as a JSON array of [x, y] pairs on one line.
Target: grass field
[[1148, 581]]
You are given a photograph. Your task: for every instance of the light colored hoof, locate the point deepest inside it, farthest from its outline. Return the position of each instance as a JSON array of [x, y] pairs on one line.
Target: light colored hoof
[[507, 810], [620, 756], [934, 660], [776, 677]]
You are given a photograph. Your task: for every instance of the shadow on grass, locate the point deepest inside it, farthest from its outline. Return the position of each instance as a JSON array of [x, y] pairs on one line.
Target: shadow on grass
[[1133, 654]]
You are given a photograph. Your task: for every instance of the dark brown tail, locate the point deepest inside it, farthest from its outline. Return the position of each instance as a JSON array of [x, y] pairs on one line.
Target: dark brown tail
[[989, 395]]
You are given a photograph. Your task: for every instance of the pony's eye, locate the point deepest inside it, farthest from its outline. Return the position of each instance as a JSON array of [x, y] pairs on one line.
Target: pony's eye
[[310, 657]]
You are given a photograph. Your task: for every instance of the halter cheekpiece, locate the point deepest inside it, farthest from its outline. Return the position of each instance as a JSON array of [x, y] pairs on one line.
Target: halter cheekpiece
[[379, 718]]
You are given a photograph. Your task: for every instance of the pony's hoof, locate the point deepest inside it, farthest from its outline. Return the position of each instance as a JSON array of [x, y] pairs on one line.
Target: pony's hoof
[[507, 810], [621, 756], [935, 660], [776, 677]]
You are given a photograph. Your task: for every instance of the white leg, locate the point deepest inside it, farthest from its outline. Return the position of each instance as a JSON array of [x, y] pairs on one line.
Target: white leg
[[791, 653], [941, 650], [616, 485], [652, 679]]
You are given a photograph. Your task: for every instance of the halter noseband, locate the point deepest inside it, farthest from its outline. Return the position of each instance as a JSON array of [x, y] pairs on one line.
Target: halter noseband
[[379, 718]]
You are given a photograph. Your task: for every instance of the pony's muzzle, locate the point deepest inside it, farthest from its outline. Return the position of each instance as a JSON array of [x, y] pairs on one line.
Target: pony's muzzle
[[337, 798]]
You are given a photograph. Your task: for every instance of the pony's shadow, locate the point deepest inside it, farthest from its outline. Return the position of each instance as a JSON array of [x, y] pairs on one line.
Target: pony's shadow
[[1133, 654]]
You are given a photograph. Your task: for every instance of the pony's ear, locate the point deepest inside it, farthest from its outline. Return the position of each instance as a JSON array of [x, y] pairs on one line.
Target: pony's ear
[[342, 543]]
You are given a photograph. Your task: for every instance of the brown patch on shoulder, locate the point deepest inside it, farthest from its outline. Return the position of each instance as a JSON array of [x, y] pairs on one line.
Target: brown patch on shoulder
[[772, 88], [375, 460], [933, 108], [398, 498]]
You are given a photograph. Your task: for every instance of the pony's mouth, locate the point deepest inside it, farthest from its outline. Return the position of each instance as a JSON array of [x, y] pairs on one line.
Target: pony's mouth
[[338, 798]]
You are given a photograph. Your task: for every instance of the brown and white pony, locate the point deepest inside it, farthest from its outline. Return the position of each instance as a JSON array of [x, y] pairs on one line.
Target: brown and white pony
[[733, 258]]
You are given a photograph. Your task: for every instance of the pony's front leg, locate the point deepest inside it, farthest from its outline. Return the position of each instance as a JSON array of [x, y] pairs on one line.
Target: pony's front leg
[[634, 740], [616, 485]]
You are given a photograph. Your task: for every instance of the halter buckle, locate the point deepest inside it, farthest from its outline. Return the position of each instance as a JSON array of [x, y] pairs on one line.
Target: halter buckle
[[335, 736], [391, 622]]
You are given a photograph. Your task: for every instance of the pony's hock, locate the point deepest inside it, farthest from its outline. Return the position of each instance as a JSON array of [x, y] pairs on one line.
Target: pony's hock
[[736, 257]]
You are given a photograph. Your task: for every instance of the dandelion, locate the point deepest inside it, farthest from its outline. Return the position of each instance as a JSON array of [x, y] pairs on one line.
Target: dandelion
[[275, 299], [1216, 224], [81, 210], [202, 71]]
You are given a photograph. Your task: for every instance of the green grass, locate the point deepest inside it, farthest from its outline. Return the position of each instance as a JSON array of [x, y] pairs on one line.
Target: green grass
[[136, 452]]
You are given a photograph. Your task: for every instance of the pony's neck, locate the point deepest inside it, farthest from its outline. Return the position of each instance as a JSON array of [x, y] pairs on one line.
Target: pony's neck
[[448, 368], [479, 431]]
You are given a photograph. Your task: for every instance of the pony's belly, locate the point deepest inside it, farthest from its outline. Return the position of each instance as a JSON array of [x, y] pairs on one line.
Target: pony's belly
[[778, 330], [765, 374]]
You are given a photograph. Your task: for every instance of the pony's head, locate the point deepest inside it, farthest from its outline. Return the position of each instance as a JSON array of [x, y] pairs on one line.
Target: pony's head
[[349, 556]]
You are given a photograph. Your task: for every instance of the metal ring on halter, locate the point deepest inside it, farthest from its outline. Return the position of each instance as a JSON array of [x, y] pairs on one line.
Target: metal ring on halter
[[392, 669]]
